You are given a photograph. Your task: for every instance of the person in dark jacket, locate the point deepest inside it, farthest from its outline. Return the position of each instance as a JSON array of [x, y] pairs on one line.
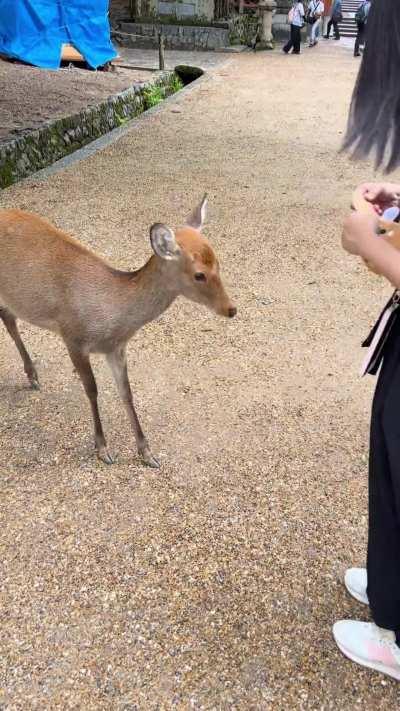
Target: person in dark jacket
[[335, 18], [361, 20]]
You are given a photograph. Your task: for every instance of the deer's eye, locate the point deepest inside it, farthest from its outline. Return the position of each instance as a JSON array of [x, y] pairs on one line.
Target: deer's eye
[[199, 276]]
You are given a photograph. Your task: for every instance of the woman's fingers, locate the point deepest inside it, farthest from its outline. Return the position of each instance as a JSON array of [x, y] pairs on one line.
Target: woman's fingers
[[358, 228], [381, 194]]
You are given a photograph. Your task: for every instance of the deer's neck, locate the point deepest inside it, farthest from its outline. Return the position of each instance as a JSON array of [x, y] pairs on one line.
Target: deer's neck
[[148, 293]]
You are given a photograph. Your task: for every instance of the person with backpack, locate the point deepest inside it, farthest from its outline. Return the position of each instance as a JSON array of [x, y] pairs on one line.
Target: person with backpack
[[314, 14], [335, 18], [361, 20], [296, 21]]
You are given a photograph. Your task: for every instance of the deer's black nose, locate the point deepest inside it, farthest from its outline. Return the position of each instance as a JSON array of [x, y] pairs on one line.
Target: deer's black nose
[[232, 311]]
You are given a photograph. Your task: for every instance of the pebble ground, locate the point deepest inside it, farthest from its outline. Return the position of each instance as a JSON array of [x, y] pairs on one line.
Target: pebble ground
[[213, 582]]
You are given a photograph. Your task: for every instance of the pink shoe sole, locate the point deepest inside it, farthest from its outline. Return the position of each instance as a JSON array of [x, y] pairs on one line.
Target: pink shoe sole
[[376, 666]]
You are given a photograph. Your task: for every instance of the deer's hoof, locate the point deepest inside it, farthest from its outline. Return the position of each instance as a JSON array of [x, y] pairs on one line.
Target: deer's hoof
[[149, 459], [104, 455], [34, 381]]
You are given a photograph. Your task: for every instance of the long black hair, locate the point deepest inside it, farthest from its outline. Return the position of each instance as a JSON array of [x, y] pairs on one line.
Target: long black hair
[[374, 118]]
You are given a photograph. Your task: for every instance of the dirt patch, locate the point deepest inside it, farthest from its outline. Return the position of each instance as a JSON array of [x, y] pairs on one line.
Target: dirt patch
[[30, 96]]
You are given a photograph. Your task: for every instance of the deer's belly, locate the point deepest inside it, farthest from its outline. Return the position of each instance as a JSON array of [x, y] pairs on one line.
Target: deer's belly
[[31, 312]]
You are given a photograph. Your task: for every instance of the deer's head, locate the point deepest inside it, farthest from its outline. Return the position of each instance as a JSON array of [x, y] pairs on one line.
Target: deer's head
[[192, 262]]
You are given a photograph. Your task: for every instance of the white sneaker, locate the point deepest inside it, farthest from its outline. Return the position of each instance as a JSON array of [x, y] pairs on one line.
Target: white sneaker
[[368, 645], [355, 581]]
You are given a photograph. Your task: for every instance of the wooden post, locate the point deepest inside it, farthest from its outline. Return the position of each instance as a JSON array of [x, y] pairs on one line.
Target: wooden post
[[161, 55], [133, 10]]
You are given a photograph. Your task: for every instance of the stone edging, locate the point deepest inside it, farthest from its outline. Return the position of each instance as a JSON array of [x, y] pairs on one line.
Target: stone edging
[[189, 37], [37, 149]]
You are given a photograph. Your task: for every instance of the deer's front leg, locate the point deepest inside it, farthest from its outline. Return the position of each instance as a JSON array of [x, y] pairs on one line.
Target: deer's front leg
[[117, 362], [83, 367]]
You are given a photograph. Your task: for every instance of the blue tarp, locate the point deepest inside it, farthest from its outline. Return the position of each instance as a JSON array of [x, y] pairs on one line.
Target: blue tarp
[[35, 30]]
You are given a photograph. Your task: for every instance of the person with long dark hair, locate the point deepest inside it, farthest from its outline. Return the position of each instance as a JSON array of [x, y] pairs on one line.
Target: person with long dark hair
[[374, 127]]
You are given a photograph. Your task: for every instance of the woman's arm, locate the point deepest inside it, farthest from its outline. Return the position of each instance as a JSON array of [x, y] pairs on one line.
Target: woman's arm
[[360, 236]]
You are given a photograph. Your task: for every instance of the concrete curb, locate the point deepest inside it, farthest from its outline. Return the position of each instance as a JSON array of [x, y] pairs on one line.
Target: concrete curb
[[114, 135], [24, 155]]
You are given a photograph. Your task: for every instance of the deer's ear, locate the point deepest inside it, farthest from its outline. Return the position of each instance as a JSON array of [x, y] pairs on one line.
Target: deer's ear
[[197, 218], [163, 242]]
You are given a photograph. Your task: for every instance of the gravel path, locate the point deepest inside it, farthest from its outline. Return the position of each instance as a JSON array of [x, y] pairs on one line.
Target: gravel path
[[213, 583]]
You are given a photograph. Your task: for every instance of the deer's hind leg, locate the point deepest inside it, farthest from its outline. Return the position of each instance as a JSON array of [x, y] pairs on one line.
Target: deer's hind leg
[[11, 325], [82, 365]]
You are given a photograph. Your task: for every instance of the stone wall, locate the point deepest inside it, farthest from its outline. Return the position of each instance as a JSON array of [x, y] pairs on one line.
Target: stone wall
[[119, 9], [204, 8], [188, 37], [280, 27], [34, 150]]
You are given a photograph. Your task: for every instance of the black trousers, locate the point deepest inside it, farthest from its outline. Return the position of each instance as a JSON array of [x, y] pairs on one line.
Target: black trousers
[[360, 37], [294, 40], [335, 28], [383, 559]]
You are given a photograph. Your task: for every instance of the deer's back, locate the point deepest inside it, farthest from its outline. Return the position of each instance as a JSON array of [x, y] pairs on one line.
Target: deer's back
[[47, 276]]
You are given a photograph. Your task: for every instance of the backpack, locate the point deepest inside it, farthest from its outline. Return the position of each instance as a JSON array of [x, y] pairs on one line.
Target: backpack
[[292, 14], [361, 13], [310, 14]]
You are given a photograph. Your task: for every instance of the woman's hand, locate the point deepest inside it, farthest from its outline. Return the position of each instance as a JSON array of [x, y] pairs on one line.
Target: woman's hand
[[380, 195], [359, 229]]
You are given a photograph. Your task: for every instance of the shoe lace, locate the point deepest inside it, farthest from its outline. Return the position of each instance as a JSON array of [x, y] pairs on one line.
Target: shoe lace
[[387, 639]]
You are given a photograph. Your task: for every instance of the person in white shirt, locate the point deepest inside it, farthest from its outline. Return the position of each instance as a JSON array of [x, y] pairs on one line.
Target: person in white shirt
[[296, 20], [314, 18]]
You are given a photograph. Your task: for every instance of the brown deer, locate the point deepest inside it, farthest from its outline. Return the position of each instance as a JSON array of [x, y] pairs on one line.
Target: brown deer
[[51, 280]]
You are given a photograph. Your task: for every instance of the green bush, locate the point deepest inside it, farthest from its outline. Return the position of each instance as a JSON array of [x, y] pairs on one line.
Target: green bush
[[175, 84], [152, 96]]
